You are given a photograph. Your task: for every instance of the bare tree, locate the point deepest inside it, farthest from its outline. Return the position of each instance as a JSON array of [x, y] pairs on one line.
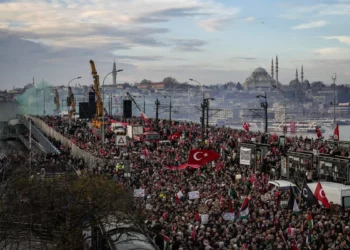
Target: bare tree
[[59, 210]]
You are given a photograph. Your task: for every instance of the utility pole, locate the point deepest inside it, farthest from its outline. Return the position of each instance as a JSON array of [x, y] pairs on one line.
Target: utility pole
[[144, 104], [157, 113], [44, 101], [203, 118], [170, 110], [334, 103], [207, 127], [264, 105]]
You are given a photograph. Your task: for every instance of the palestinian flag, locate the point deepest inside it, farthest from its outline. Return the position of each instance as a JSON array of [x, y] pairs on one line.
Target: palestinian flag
[[310, 221], [244, 211], [166, 242], [309, 238], [296, 207]]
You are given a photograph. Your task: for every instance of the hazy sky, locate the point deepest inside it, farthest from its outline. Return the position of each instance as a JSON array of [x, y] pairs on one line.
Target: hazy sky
[[211, 41]]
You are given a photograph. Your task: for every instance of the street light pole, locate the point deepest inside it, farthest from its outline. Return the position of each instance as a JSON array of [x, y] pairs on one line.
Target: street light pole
[[285, 108], [79, 77], [157, 110], [44, 101], [334, 78], [203, 113], [264, 105], [170, 106]]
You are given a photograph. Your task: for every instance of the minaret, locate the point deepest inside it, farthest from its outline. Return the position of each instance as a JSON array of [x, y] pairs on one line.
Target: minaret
[[33, 81], [296, 75], [276, 70], [302, 74], [114, 73], [272, 68]]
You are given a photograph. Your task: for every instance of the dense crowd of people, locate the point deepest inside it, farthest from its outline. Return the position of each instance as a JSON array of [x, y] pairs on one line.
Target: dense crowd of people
[[212, 220]]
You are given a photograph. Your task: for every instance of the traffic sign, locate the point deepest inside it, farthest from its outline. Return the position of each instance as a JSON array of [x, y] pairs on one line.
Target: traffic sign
[[121, 140]]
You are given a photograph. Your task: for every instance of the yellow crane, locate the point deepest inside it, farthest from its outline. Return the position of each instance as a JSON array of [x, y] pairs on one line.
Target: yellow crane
[[98, 120]]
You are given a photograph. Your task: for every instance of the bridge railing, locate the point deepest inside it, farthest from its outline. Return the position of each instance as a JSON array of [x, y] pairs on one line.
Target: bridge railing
[[76, 152], [44, 142]]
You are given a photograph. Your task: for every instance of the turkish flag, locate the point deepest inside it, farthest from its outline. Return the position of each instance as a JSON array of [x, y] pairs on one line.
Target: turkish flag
[[174, 136], [321, 195], [246, 126], [318, 132], [275, 137], [202, 156], [336, 133]]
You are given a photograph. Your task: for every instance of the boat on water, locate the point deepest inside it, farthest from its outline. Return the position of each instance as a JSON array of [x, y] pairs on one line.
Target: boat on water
[[300, 127]]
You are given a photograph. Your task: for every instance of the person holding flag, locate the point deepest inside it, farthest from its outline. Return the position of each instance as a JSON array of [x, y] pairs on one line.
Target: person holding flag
[[246, 126], [244, 211], [202, 156], [318, 133], [308, 196], [320, 195], [336, 133]]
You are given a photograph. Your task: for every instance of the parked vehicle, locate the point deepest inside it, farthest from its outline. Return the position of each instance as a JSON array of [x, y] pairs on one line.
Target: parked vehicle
[[284, 186], [338, 194]]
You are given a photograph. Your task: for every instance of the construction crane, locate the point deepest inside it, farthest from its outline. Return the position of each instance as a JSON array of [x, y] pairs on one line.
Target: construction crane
[[57, 102], [133, 100], [70, 102], [98, 120]]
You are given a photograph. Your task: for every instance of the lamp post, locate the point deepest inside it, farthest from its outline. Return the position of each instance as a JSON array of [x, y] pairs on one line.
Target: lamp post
[[207, 106], [157, 113], [79, 77], [203, 106], [103, 101], [170, 106], [264, 105], [334, 103], [285, 108]]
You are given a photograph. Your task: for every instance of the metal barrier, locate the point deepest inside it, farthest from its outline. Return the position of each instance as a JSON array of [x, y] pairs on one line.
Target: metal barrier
[[44, 142]]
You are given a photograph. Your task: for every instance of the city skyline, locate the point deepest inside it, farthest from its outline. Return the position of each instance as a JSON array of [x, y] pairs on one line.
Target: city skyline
[[211, 41]]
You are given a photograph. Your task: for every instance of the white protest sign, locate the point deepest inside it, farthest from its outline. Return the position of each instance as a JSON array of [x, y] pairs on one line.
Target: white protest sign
[[228, 216], [139, 193], [180, 194], [245, 155], [193, 195], [204, 218]]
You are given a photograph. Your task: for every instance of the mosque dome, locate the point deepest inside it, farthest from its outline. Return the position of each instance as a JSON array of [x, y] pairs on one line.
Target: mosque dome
[[260, 70], [258, 79]]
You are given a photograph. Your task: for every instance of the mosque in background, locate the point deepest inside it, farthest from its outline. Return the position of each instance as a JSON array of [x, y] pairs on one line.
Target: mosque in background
[[261, 79]]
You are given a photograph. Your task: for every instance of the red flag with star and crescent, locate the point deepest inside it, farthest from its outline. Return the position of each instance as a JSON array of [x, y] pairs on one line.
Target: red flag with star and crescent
[[318, 132], [174, 136], [321, 195], [246, 126], [202, 156], [336, 133]]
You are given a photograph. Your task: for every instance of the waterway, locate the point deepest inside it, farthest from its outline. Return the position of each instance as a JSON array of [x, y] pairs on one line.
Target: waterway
[[344, 132]]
